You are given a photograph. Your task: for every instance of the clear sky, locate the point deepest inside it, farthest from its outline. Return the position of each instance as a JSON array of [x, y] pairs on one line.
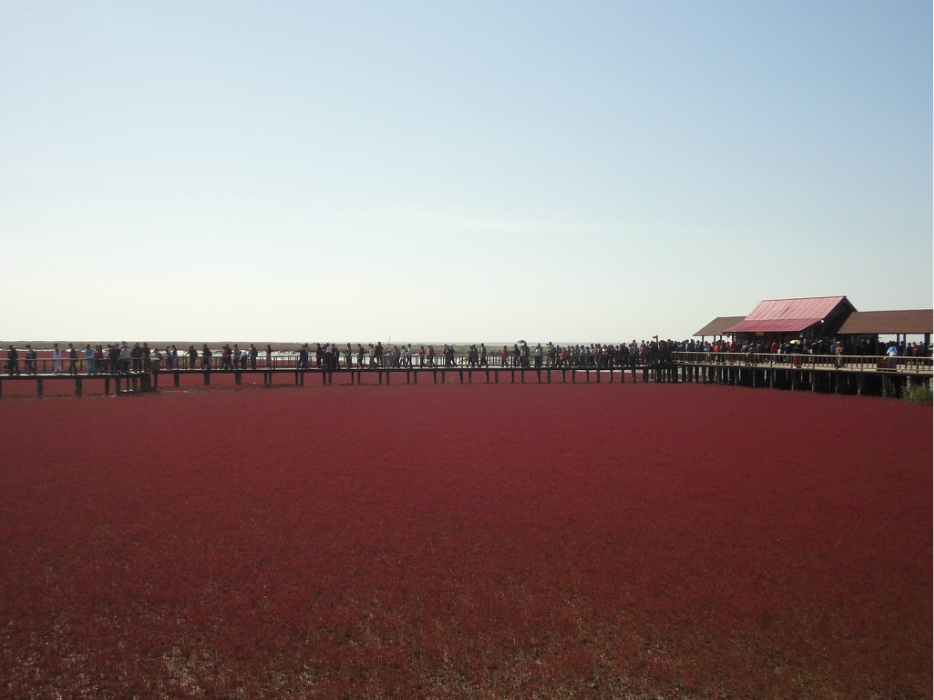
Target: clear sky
[[457, 171]]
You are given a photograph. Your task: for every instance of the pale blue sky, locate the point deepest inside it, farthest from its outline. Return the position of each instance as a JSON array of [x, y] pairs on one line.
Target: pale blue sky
[[443, 171]]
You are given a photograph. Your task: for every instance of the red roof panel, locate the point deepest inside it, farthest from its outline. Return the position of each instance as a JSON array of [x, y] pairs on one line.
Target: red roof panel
[[785, 325], [787, 315]]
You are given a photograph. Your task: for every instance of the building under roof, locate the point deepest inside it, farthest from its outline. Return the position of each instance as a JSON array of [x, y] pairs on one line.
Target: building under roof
[[824, 317], [814, 314]]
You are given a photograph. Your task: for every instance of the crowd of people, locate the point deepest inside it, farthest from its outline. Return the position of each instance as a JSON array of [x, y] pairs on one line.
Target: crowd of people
[[123, 358], [806, 346]]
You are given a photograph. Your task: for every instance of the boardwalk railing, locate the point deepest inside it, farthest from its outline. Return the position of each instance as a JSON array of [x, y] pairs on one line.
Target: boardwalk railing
[[861, 363], [285, 361], [282, 361]]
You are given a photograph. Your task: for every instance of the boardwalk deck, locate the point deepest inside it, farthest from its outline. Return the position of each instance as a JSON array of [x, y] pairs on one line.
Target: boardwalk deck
[[849, 374]]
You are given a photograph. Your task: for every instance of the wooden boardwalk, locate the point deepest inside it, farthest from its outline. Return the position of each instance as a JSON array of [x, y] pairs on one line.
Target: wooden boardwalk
[[145, 381], [864, 375], [847, 374]]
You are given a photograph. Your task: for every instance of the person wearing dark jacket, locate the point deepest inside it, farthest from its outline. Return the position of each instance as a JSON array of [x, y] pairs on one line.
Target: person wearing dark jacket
[[12, 358]]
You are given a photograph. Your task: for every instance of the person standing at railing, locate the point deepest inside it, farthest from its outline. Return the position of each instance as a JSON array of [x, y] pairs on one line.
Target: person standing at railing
[[268, 356], [205, 357], [125, 356], [12, 361], [99, 364], [72, 359], [431, 355], [192, 357], [30, 360], [91, 367], [254, 353], [56, 359], [136, 355]]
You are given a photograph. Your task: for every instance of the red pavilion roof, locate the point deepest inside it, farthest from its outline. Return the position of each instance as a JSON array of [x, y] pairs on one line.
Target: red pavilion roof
[[788, 315]]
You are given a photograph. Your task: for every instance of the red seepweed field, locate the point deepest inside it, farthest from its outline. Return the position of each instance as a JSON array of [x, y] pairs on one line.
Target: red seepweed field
[[466, 541]]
